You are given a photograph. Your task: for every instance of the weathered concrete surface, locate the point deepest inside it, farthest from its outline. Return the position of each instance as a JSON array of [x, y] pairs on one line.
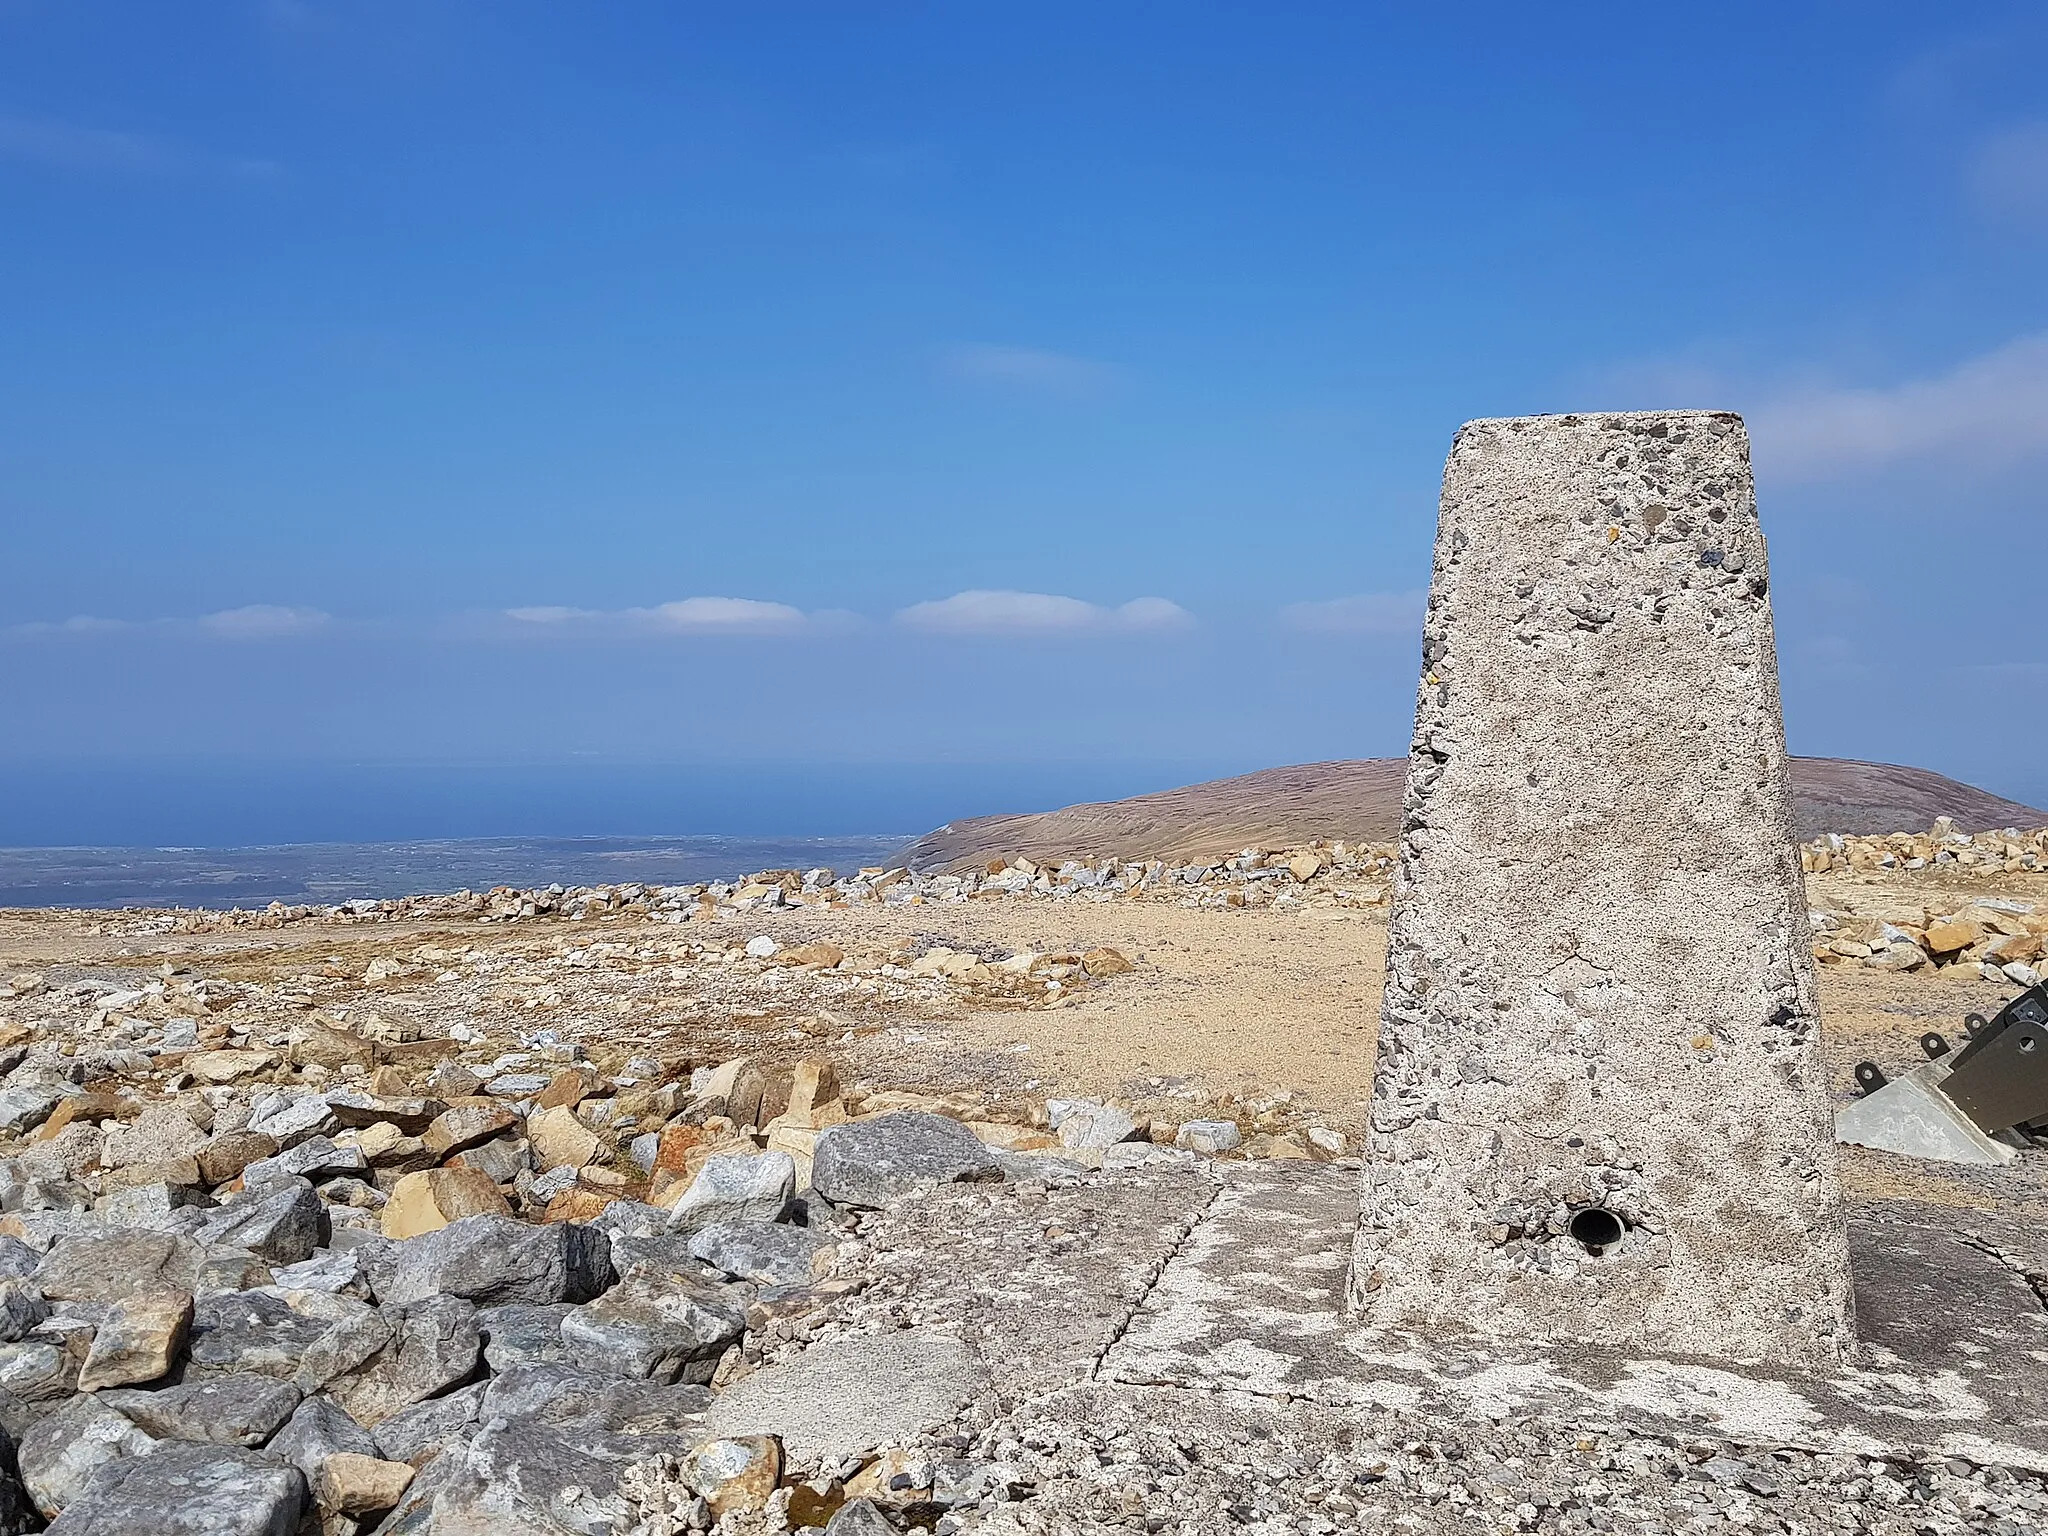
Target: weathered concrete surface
[[1599, 984], [1955, 1339], [1237, 1397], [1038, 1282], [846, 1397]]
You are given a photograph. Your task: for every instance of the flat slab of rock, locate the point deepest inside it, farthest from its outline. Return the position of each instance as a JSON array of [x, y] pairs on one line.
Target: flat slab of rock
[[138, 1341], [736, 1187], [117, 1264], [188, 1490], [846, 1397], [233, 1410], [875, 1163]]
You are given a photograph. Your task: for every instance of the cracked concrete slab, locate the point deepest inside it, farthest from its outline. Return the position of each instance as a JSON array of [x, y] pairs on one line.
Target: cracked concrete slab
[[1954, 1355]]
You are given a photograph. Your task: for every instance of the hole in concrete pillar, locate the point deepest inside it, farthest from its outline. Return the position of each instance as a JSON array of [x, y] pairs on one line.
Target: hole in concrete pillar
[[1595, 1228]]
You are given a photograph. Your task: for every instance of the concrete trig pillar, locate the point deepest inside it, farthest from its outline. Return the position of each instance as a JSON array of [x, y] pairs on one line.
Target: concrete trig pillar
[[1600, 1112]]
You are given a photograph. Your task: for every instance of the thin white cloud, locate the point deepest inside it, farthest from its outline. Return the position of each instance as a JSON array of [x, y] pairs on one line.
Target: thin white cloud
[[721, 613], [1365, 613], [2008, 177], [62, 146], [687, 615], [77, 624], [988, 612], [1032, 369], [1987, 412], [262, 621]]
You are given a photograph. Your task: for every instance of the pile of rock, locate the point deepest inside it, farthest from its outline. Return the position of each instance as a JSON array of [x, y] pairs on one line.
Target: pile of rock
[[2000, 940], [1337, 874], [1319, 874], [1941, 849], [232, 1333]]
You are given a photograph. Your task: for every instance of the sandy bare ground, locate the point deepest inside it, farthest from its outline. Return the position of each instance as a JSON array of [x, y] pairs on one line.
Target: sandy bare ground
[[1223, 1007]]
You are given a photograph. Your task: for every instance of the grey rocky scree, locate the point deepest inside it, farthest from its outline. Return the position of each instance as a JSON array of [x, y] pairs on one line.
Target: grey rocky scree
[[255, 1355]]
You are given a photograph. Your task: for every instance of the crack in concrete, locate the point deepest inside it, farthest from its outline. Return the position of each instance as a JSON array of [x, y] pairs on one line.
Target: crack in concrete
[[2037, 1279], [1159, 1270]]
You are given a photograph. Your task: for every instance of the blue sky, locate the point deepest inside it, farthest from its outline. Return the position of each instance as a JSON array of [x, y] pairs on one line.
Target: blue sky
[[1039, 400]]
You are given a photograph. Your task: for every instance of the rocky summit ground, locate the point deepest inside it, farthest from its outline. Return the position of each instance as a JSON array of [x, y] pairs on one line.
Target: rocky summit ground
[[863, 1201]]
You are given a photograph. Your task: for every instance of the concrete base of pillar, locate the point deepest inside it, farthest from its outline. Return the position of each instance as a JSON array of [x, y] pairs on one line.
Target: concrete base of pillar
[[1950, 1360]]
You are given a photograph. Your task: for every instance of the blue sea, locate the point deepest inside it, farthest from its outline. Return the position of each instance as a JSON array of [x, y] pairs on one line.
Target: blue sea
[[296, 873], [235, 832]]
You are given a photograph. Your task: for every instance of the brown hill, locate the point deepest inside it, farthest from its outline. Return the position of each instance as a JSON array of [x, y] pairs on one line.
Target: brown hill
[[1360, 801]]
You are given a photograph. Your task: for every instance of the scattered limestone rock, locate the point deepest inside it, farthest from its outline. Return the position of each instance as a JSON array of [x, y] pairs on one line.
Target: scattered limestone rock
[[353, 1484], [741, 1187], [1208, 1136], [434, 1198], [874, 1163], [137, 1341], [491, 1259], [560, 1140]]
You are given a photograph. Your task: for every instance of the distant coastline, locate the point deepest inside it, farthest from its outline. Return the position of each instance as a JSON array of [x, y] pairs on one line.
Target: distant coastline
[[296, 873]]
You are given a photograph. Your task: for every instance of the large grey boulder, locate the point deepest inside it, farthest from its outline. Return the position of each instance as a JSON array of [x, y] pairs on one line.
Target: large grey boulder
[[875, 1163], [1089, 1124], [317, 1430], [766, 1252], [232, 1410], [378, 1362], [291, 1121], [337, 1272], [118, 1263], [630, 1218], [524, 1333], [17, 1259], [417, 1434], [60, 1453], [491, 1259], [512, 1478], [188, 1490], [281, 1224], [256, 1331], [665, 1327], [24, 1106], [737, 1187], [548, 1460]]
